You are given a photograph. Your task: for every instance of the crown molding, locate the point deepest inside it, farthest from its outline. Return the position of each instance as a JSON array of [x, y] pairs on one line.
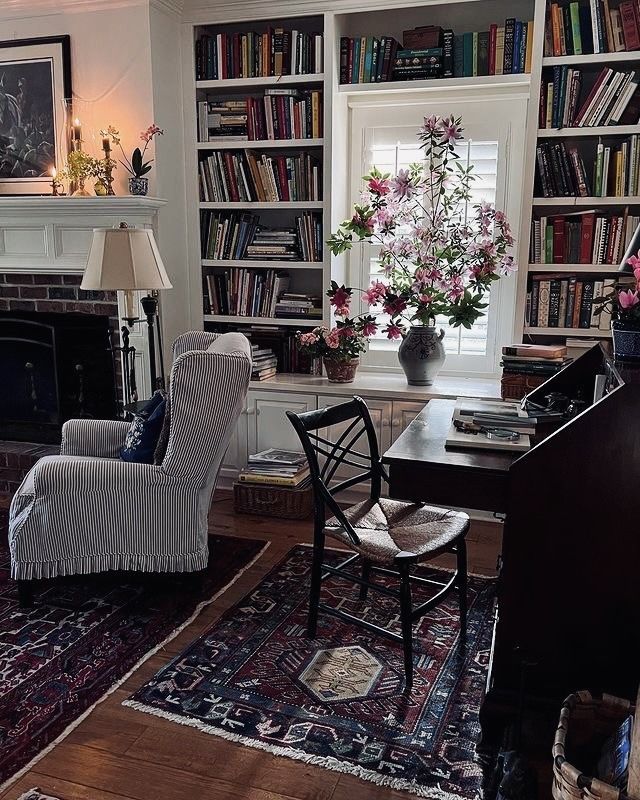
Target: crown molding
[[172, 7], [23, 9]]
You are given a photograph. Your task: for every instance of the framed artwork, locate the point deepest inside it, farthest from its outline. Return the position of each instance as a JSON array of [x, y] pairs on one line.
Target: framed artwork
[[35, 80]]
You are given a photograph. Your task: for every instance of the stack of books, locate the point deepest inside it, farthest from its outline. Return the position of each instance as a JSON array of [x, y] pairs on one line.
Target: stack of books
[[247, 176], [566, 301], [533, 359], [283, 342], [265, 363], [280, 244], [245, 292], [226, 234], [583, 237], [593, 27], [612, 100], [274, 52], [474, 420], [291, 305], [277, 468], [615, 172], [222, 120]]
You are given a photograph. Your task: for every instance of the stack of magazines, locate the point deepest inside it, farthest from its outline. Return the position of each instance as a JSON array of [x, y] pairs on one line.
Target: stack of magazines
[[277, 468]]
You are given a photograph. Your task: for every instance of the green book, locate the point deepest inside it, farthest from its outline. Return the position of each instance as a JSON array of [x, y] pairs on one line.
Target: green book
[[548, 244], [467, 50], [475, 54], [574, 10], [368, 59]]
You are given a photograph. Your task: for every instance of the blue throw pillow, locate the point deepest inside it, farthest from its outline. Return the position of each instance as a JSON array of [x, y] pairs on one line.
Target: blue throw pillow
[[143, 435]]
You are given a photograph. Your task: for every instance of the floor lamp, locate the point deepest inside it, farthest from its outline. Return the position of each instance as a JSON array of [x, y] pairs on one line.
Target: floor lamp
[[127, 259]]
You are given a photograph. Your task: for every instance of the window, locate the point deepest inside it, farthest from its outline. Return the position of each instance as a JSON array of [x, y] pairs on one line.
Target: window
[[386, 137]]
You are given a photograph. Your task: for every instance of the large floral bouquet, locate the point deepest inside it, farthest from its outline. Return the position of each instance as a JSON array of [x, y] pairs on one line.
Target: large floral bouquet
[[435, 260]]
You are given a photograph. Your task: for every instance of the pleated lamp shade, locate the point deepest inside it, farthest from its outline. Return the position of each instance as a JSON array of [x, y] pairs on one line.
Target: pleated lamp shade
[[124, 259]]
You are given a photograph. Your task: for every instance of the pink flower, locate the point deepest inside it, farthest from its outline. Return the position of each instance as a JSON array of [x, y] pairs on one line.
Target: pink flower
[[450, 130], [507, 265], [361, 222], [343, 311], [426, 298], [345, 331], [379, 185], [332, 338], [340, 298], [628, 299], [374, 293], [430, 124], [401, 185], [636, 274], [393, 331], [369, 329], [634, 262], [307, 339], [394, 307], [151, 131]]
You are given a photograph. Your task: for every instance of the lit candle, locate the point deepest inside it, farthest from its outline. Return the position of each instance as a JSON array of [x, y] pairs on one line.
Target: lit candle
[[77, 130], [54, 173], [106, 144]]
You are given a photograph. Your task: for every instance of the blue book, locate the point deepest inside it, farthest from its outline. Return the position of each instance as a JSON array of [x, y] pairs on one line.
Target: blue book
[[517, 43], [355, 70], [368, 59], [467, 48], [458, 56]]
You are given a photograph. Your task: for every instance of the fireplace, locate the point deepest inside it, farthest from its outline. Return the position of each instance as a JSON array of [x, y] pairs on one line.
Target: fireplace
[[54, 367]]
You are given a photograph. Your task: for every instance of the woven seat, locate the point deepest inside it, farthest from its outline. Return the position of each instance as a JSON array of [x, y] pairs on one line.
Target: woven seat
[[390, 528]]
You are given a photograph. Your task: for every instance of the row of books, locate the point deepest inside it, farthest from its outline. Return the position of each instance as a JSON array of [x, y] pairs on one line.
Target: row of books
[[585, 237], [279, 114], [264, 363], [245, 292], [292, 305], [248, 176], [274, 52], [615, 170], [592, 27], [499, 50], [237, 235], [282, 341], [276, 468], [566, 301], [612, 100]]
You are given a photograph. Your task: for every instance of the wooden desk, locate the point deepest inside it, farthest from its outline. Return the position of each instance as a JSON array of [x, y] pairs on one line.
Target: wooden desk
[[421, 469]]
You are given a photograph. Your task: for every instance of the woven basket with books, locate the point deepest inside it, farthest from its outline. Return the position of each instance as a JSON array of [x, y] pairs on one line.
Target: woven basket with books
[[275, 483], [596, 751]]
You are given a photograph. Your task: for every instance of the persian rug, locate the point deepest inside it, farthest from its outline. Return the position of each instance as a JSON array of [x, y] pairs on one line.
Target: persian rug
[[84, 635], [254, 677]]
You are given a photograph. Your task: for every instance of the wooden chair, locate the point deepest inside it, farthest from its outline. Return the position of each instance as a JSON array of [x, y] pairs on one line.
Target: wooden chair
[[388, 536]]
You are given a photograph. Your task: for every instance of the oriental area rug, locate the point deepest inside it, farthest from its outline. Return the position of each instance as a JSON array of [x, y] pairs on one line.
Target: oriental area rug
[[84, 635], [337, 701]]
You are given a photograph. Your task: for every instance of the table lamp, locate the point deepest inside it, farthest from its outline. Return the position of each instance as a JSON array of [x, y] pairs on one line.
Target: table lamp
[[127, 259]]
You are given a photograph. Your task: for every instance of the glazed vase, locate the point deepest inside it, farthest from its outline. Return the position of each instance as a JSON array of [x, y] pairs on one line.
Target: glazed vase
[[138, 186], [421, 354], [339, 370], [626, 340]]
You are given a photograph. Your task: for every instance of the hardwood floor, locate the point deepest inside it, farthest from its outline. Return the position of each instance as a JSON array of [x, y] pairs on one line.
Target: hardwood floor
[[117, 753]]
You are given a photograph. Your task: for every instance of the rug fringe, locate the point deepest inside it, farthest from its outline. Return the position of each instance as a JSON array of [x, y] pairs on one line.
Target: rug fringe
[[73, 725], [328, 762]]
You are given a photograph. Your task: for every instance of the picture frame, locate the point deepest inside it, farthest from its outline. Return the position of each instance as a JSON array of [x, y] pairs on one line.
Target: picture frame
[[35, 82]]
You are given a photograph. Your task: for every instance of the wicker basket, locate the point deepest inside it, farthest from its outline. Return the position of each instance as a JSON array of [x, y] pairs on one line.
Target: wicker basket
[[514, 387], [585, 724], [273, 501]]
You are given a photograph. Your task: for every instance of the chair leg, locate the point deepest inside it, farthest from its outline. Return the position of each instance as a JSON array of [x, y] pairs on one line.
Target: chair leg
[[25, 594], [405, 621], [366, 569], [461, 557], [316, 579]]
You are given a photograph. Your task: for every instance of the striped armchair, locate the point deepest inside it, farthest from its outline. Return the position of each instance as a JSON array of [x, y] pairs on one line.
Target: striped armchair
[[87, 511]]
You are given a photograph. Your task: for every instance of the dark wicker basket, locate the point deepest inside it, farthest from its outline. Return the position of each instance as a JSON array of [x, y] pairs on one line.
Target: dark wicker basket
[[514, 387], [273, 501]]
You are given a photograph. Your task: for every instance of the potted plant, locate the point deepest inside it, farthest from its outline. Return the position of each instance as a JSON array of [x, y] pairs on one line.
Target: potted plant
[[78, 168], [435, 261], [339, 347], [623, 303], [136, 166]]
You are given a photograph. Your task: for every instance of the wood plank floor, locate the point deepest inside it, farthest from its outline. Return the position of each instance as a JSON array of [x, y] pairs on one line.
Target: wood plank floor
[[117, 753]]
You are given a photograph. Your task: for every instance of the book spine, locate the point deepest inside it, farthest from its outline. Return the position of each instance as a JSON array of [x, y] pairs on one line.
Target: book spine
[[447, 54], [571, 299], [585, 304], [509, 37], [554, 303]]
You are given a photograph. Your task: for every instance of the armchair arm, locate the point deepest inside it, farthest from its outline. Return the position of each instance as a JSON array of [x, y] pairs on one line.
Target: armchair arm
[[93, 437], [68, 476]]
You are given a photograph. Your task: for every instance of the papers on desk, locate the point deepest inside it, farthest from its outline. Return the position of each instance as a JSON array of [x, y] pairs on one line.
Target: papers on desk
[[489, 425]]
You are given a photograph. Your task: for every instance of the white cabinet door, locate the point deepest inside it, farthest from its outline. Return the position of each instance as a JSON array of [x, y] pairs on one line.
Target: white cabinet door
[[403, 414], [267, 423]]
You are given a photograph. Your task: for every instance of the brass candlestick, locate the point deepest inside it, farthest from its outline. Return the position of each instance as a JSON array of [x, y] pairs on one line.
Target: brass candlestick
[[108, 166], [55, 184]]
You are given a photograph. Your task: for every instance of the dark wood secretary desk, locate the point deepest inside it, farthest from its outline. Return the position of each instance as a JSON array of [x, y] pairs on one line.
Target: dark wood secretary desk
[[569, 583]]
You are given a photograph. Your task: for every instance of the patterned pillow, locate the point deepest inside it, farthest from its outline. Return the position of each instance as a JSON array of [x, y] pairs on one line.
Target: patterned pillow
[[163, 439], [144, 432]]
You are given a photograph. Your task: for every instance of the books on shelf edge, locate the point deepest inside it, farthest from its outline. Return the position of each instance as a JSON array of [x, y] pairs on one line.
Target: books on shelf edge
[[551, 351], [274, 480]]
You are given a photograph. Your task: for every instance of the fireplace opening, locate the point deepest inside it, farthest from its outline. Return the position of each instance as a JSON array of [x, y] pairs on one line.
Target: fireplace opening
[[53, 367]]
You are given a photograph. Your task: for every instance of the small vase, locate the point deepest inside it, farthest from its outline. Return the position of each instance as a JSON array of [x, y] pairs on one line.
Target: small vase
[[80, 191], [421, 354], [138, 186], [341, 371], [626, 340], [100, 189]]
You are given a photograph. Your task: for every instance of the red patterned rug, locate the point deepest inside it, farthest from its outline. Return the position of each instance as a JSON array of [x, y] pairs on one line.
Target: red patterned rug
[[84, 635], [254, 677]]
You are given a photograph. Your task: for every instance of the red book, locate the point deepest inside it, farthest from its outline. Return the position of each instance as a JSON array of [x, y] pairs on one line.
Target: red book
[[586, 238], [230, 177], [596, 86], [493, 33], [558, 240], [629, 25], [236, 59], [283, 183], [225, 44]]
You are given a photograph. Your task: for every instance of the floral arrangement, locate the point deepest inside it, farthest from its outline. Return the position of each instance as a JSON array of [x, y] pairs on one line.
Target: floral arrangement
[[337, 343], [80, 166], [623, 302], [435, 260], [136, 165]]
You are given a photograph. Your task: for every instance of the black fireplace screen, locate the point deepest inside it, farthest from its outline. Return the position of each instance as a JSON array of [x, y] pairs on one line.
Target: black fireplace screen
[[53, 367]]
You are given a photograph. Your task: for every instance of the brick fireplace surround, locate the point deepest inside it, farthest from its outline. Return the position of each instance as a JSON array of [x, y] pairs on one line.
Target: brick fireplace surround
[[48, 293]]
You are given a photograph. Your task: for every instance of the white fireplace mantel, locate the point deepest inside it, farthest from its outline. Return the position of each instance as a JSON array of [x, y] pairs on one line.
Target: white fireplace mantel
[[52, 234]]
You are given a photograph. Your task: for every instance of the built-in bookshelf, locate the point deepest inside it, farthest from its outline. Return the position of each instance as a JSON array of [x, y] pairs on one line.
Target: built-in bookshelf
[[583, 153]]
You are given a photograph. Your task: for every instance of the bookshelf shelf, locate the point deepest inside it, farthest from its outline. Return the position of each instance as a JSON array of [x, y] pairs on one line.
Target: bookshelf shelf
[[595, 269], [592, 58], [254, 263], [301, 323], [437, 84], [282, 204], [568, 202], [235, 84], [601, 130], [582, 333], [261, 144]]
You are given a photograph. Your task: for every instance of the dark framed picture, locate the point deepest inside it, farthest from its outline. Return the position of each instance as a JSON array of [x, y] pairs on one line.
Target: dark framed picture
[[35, 80]]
